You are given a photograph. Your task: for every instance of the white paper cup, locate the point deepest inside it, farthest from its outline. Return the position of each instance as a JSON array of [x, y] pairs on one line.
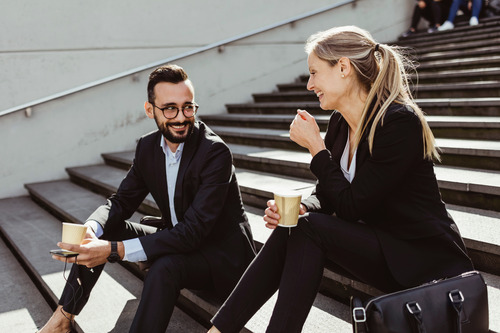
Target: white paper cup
[[73, 233], [288, 208]]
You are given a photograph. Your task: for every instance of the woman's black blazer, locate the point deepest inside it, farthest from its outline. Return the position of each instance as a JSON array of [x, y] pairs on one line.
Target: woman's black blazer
[[394, 191]]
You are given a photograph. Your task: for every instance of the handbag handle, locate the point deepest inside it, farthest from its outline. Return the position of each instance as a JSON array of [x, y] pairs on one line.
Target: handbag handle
[[457, 300], [358, 316], [416, 313]]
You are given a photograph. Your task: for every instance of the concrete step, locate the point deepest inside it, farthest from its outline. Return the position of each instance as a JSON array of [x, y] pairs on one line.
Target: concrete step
[[33, 232], [479, 154], [52, 195], [458, 75], [466, 62], [453, 50], [426, 40], [476, 50], [476, 128], [481, 106], [421, 90], [445, 76], [23, 307], [462, 29]]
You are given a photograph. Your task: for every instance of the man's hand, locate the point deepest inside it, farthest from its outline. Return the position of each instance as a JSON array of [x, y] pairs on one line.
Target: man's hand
[[92, 252]]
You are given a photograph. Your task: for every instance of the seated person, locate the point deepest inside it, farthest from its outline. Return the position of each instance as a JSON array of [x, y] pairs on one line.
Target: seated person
[[472, 6], [428, 9], [204, 241], [376, 211]]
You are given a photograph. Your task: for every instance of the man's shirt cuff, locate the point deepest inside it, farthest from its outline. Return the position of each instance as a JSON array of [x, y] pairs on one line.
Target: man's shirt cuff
[[134, 251], [96, 227]]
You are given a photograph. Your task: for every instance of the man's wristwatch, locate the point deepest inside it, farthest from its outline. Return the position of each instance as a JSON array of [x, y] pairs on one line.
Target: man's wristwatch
[[114, 256]]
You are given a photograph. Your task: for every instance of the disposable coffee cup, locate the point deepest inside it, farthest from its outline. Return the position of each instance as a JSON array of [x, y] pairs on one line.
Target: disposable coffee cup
[[73, 233], [288, 208]]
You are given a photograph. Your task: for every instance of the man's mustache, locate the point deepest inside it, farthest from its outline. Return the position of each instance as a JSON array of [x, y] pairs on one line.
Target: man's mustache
[[179, 124]]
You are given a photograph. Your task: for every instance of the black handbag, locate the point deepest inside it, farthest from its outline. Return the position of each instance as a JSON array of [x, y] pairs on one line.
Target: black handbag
[[455, 305]]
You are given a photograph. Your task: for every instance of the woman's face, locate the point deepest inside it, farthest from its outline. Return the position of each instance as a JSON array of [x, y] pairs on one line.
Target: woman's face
[[326, 81]]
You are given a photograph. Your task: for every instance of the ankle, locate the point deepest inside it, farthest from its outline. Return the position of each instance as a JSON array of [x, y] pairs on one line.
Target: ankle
[[61, 321]]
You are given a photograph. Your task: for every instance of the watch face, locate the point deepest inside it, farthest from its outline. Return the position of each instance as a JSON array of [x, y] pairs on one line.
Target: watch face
[[113, 257]]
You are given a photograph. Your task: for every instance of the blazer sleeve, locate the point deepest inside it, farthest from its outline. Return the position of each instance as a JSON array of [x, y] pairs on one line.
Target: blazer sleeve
[[205, 209], [397, 146], [122, 204]]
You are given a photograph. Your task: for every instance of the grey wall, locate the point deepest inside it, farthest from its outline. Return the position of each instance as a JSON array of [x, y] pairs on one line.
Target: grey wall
[[76, 129]]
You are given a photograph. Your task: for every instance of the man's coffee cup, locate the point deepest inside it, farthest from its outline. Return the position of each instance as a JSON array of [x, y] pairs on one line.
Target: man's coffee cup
[[73, 233], [288, 208]]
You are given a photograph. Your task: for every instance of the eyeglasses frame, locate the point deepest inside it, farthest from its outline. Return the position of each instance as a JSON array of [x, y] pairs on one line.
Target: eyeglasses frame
[[196, 107]]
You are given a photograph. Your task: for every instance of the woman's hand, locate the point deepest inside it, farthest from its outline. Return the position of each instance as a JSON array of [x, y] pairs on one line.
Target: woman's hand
[[272, 216], [305, 132]]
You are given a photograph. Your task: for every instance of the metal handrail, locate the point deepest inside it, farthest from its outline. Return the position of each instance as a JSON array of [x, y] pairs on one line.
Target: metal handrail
[[173, 58]]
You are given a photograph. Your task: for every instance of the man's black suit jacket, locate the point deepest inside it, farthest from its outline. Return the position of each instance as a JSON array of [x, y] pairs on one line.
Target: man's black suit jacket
[[395, 191], [207, 203]]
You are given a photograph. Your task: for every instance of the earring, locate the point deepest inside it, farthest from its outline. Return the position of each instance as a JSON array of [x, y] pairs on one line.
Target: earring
[[343, 75]]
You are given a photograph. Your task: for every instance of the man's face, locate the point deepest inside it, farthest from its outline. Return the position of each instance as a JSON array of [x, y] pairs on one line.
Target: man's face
[[178, 129]]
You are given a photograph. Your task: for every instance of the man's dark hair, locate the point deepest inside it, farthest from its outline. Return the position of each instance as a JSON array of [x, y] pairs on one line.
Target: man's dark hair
[[165, 73]]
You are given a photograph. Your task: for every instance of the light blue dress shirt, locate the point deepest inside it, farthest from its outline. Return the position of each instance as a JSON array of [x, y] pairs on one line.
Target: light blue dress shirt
[[133, 248]]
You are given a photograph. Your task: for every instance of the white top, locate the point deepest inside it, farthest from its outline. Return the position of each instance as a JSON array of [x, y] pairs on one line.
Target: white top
[[350, 171]]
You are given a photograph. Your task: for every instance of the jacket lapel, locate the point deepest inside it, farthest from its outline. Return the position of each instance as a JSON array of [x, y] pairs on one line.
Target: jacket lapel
[[188, 152], [161, 177]]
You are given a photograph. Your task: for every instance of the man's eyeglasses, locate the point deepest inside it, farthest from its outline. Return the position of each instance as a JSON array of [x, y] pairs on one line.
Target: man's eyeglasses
[[171, 111]]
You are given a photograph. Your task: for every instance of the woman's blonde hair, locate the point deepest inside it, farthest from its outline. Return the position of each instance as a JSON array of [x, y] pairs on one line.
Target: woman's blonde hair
[[380, 69]]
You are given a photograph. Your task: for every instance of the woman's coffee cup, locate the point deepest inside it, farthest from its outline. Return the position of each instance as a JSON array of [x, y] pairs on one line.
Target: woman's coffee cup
[[288, 208]]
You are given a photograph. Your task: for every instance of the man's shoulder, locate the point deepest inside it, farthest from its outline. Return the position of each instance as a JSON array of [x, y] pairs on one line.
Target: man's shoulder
[[151, 136], [207, 136]]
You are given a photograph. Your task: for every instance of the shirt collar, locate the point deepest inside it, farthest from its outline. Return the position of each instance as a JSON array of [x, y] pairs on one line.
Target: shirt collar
[[168, 152]]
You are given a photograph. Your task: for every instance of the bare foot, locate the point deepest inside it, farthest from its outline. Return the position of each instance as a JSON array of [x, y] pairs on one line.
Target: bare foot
[[60, 322]]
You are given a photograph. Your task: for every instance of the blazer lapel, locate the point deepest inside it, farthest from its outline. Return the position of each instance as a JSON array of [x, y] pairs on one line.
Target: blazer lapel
[[161, 177], [187, 155]]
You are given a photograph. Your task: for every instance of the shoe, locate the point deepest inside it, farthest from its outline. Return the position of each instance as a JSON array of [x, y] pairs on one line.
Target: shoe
[[447, 25], [473, 21], [432, 29], [407, 33]]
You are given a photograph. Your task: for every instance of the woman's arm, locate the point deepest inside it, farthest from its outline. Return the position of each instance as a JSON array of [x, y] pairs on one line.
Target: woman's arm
[[397, 147]]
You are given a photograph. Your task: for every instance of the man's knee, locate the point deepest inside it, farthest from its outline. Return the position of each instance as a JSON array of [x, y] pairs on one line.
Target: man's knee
[[166, 270]]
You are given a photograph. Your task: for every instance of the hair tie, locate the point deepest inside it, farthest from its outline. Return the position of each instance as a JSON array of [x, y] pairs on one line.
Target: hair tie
[[376, 47]]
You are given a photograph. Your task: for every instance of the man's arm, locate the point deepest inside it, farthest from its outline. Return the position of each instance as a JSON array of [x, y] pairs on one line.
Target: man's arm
[[133, 250]]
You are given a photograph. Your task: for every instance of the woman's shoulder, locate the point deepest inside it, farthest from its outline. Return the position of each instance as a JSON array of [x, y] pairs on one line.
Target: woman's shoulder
[[399, 108], [401, 112]]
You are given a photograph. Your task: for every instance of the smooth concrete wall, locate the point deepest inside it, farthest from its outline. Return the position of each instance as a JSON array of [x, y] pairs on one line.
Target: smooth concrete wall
[[76, 129], [50, 46]]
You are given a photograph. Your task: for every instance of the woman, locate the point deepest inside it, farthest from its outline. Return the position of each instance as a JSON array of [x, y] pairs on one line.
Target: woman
[[375, 172]]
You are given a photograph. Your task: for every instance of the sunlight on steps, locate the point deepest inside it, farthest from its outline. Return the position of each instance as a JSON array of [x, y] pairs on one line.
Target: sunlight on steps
[[17, 321], [120, 298]]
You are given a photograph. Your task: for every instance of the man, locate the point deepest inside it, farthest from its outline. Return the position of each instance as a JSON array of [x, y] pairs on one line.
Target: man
[[204, 241]]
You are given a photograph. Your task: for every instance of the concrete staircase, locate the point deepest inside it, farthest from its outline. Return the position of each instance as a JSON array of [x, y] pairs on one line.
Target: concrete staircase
[[458, 87]]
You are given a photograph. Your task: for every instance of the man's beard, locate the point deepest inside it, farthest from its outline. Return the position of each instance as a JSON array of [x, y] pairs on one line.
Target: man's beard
[[173, 136]]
